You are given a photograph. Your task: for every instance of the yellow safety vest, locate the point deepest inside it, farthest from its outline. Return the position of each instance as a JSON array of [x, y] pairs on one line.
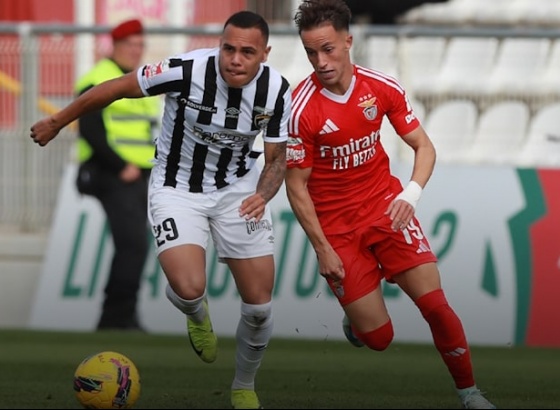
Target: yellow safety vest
[[128, 122]]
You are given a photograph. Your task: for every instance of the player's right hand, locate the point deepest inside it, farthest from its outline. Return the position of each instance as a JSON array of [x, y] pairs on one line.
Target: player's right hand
[[330, 265], [43, 131]]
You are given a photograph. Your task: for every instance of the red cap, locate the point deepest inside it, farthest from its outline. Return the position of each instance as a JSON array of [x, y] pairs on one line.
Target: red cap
[[127, 28]]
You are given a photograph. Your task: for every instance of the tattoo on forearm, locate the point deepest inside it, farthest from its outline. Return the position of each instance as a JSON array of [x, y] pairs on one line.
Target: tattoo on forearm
[[273, 173]]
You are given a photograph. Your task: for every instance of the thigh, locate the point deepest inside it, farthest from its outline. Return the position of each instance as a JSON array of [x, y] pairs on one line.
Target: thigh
[[184, 267], [420, 280], [180, 226], [360, 265], [254, 278], [368, 312]]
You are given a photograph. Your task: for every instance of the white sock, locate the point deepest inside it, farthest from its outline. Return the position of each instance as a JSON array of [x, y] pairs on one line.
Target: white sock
[[253, 333], [192, 308]]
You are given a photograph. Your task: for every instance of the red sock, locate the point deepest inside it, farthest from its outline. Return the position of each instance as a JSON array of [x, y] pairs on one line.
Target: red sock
[[449, 337]]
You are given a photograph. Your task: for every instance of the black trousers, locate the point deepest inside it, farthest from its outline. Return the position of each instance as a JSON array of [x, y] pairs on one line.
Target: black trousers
[[125, 206]]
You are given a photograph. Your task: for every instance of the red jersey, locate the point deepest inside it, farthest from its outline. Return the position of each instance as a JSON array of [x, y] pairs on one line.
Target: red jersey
[[339, 136]]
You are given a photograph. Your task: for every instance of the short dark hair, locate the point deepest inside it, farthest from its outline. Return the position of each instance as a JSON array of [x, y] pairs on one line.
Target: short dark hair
[[313, 13], [249, 19]]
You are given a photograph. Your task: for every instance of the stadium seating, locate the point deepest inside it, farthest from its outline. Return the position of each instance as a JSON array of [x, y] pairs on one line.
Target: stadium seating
[[542, 13], [476, 95], [381, 54], [499, 134], [466, 61], [451, 127], [517, 61], [513, 83], [420, 58], [486, 13], [542, 144], [450, 12], [546, 82]]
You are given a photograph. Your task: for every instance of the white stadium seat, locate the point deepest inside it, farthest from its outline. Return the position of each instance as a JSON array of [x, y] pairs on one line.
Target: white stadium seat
[[517, 62], [420, 57], [380, 54], [466, 61], [485, 13], [449, 12], [451, 127], [542, 144], [499, 12], [541, 13], [500, 132], [547, 80]]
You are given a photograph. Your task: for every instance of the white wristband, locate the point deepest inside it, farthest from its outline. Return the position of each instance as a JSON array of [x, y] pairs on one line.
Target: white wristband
[[411, 193]]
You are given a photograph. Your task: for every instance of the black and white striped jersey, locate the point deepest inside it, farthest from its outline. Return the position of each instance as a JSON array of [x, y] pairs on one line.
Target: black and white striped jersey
[[208, 129]]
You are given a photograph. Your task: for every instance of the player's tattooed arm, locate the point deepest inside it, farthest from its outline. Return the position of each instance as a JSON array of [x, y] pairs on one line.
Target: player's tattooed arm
[[274, 170]]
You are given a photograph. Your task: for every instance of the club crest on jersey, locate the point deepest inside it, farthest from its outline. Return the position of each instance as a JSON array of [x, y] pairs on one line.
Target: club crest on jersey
[[369, 106], [262, 118], [151, 70]]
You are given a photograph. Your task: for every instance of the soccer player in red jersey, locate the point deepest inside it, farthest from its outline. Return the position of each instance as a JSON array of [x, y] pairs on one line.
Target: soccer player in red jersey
[[356, 214]]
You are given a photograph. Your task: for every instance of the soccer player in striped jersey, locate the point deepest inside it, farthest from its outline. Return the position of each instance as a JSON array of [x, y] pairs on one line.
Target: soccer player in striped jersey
[[357, 215], [206, 181]]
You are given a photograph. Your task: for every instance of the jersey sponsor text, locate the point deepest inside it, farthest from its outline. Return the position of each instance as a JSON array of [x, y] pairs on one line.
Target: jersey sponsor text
[[352, 154]]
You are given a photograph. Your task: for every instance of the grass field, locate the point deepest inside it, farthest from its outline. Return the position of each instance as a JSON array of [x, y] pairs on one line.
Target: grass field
[[37, 372]]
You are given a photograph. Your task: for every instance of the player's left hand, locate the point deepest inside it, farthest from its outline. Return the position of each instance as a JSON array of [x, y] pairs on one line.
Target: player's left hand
[[43, 131], [401, 213], [252, 207]]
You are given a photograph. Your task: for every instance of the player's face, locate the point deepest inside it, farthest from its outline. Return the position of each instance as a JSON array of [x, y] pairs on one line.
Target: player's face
[[328, 51], [242, 50]]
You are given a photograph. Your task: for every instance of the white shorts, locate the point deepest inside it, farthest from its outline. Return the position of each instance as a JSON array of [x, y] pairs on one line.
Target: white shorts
[[179, 218]]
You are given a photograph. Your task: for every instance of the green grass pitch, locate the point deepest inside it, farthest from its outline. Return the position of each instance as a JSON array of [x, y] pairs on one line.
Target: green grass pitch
[[36, 370]]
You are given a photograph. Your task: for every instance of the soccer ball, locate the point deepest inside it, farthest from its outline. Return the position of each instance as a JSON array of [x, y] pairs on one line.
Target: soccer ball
[[107, 380]]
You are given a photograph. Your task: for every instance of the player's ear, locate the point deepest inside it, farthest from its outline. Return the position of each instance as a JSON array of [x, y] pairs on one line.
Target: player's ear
[[348, 42], [265, 54]]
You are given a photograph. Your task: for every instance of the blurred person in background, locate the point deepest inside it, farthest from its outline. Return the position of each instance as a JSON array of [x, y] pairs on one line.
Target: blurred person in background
[[357, 215], [115, 151], [206, 181]]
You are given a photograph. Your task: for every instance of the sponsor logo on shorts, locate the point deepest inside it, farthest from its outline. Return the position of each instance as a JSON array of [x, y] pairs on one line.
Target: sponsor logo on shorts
[[254, 226], [423, 248]]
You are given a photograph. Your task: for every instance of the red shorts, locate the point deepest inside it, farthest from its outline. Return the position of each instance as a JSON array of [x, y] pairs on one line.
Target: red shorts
[[374, 252]]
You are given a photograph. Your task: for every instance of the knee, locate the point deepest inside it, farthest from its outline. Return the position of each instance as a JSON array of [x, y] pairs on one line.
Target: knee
[[257, 315], [378, 339], [189, 290]]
